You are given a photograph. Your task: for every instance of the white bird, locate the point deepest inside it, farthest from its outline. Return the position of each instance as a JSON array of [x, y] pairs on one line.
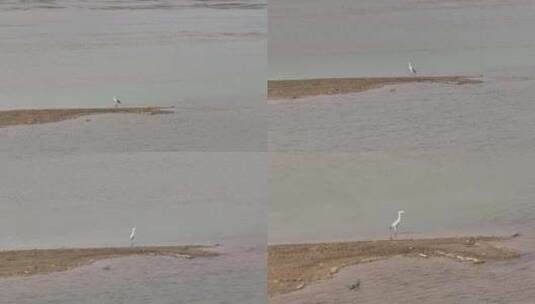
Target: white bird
[[132, 236], [394, 226], [117, 101], [411, 68]]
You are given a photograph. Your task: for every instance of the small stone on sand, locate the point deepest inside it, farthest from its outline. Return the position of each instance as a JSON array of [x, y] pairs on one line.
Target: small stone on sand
[[333, 270], [355, 286]]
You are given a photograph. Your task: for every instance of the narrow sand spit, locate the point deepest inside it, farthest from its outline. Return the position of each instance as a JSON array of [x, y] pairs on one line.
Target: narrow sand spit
[[41, 116], [42, 261], [292, 89], [292, 266]]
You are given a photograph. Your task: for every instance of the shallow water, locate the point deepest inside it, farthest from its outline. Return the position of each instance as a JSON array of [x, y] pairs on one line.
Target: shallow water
[[72, 53], [201, 129], [498, 114], [94, 198], [349, 196], [195, 176], [336, 196], [436, 280], [236, 277], [315, 38], [456, 158], [206, 58]]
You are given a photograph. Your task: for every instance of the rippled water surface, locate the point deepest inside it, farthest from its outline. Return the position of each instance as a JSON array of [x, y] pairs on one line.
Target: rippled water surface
[[194, 176], [172, 198], [237, 277], [314, 38], [497, 114], [343, 164], [404, 280], [92, 199], [206, 58], [82, 53], [456, 158]]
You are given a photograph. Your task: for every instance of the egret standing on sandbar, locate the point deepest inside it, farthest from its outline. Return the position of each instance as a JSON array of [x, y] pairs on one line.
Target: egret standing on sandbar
[[394, 226], [411, 68], [117, 101], [132, 236]]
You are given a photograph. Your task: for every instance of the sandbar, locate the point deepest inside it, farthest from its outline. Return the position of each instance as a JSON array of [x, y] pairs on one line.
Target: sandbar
[[292, 266], [41, 116], [43, 261], [298, 88]]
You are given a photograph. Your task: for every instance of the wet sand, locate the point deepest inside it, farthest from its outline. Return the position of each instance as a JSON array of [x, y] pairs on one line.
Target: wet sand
[[297, 88], [293, 266], [41, 116], [43, 261]]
